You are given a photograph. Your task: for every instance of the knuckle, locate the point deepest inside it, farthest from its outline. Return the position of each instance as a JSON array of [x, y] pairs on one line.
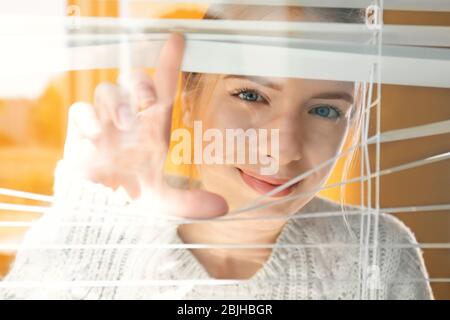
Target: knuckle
[[103, 90], [140, 76]]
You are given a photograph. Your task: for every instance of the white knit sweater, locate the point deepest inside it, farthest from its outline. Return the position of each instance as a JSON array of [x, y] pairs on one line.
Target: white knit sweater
[[134, 265]]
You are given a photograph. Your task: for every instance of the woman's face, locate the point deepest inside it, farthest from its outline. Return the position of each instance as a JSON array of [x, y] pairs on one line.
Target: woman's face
[[312, 116]]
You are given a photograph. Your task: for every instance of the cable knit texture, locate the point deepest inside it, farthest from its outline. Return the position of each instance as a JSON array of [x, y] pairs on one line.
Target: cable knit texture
[[136, 256]]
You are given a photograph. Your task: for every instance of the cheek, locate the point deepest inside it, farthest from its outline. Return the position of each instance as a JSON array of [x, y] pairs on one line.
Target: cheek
[[220, 113], [223, 112], [324, 136], [323, 141]]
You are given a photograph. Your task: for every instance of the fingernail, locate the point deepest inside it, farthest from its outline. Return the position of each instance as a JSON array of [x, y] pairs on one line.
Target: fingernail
[[125, 116], [146, 95]]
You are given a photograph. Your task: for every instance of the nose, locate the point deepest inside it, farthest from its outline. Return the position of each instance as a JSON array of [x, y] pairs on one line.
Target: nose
[[289, 140]]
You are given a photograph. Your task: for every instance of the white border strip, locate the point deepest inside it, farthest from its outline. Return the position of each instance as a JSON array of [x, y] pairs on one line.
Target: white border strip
[[414, 5]]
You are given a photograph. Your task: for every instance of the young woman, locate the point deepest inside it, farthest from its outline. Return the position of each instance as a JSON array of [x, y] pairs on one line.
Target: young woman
[[121, 142]]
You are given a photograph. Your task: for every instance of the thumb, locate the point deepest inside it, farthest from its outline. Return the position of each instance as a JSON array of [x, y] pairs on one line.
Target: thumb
[[83, 127], [191, 204]]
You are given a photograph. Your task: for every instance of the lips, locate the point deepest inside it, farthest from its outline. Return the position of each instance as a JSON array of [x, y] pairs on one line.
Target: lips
[[265, 184]]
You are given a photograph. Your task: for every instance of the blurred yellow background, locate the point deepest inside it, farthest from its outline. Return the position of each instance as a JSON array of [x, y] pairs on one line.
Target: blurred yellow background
[[32, 133]]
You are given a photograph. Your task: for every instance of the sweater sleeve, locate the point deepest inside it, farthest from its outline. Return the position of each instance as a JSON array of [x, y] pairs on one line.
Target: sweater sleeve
[[85, 236], [409, 279]]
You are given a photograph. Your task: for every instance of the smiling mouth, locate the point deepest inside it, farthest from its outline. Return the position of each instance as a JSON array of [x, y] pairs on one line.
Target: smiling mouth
[[265, 184]]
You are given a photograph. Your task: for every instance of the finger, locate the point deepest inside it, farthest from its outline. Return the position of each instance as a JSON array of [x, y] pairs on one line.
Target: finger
[[195, 204], [112, 106], [82, 128], [192, 204], [132, 187], [83, 119], [168, 69], [142, 91]]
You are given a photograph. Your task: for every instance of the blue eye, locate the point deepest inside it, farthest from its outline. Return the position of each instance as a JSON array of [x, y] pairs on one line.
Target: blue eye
[[326, 112], [250, 96]]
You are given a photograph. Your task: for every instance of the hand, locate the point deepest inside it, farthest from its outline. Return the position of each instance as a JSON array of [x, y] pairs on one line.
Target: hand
[[123, 139]]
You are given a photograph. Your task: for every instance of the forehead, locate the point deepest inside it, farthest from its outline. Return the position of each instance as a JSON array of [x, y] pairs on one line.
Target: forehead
[[280, 13], [321, 85]]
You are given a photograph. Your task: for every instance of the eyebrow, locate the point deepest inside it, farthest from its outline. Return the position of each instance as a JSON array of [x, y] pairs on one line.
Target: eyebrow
[[335, 96], [260, 80], [267, 83]]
